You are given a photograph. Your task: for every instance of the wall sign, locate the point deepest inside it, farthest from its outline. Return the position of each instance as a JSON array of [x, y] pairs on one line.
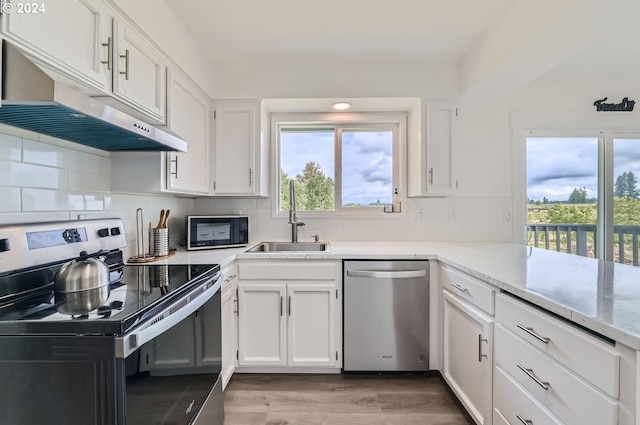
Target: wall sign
[[626, 105]]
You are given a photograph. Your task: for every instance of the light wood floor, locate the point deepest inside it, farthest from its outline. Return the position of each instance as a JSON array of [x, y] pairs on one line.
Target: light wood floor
[[257, 399]]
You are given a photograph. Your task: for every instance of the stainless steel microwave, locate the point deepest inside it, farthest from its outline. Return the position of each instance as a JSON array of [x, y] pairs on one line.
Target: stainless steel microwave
[[217, 231]]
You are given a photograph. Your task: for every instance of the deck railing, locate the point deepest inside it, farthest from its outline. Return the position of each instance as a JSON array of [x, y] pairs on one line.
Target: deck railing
[[581, 239]]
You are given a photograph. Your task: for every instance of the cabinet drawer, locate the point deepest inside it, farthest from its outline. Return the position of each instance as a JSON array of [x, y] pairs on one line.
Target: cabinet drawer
[[230, 272], [468, 287], [512, 402], [562, 392], [289, 270], [589, 357]]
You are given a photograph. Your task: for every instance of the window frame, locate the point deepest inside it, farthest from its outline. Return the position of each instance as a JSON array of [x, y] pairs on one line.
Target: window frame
[[605, 172], [341, 122]]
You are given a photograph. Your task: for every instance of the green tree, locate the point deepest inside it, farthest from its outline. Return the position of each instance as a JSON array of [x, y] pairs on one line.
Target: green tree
[[626, 185], [578, 196], [572, 214], [626, 210], [314, 190]]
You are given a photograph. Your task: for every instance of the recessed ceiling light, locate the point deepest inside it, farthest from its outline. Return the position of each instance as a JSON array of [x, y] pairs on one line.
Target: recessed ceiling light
[[341, 106]]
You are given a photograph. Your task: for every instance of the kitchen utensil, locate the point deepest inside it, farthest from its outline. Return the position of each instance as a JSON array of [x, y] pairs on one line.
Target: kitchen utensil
[[161, 221], [166, 219], [141, 256], [160, 244], [82, 284]]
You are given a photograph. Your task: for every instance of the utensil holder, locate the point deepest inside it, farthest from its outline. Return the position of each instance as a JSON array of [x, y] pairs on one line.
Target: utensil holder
[[159, 242]]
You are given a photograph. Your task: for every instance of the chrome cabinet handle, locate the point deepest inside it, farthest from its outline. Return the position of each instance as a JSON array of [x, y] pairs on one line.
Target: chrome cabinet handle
[[480, 355], [524, 421], [532, 375], [109, 61], [531, 332], [126, 64], [459, 288], [175, 161], [431, 175], [230, 278], [236, 309], [250, 177], [289, 306], [281, 305]]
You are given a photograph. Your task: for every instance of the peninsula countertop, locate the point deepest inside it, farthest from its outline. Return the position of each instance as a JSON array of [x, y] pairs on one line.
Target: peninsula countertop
[[601, 296]]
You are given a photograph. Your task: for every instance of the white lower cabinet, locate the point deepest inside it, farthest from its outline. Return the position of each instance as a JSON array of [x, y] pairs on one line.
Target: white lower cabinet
[[513, 405], [289, 315], [468, 359], [548, 371], [229, 313]]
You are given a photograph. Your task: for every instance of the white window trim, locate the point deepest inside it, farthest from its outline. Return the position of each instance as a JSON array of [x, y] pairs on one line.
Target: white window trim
[[360, 120]]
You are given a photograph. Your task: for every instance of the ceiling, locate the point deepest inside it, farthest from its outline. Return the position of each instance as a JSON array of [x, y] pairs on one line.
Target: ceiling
[[496, 45]]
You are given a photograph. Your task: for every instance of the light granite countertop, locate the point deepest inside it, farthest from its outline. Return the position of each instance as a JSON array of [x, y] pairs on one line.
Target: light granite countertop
[[599, 295]]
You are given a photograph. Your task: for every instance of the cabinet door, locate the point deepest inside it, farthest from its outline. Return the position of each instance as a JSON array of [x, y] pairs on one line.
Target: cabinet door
[[208, 334], [430, 158], [139, 73], [468, 339], [261, 325], [311, 327], [174, 348], [188, 116], [236, 135], [75, 35], [229, 333]]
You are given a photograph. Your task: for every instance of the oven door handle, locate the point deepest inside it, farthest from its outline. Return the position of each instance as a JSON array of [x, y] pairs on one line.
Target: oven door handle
[[164, 320]]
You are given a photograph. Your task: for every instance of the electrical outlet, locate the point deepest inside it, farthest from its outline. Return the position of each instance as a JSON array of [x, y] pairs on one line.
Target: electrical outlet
[[506, 216], [452, 216]]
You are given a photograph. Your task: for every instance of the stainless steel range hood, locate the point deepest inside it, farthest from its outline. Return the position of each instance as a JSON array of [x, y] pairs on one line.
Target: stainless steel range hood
[[33, 100]]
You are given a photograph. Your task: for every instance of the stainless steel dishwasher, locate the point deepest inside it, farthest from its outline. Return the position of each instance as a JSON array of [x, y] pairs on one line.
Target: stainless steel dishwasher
[[386, 316]]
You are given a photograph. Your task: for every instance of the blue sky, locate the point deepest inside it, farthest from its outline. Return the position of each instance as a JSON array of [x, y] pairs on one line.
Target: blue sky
[[367, 161], [556, 167]]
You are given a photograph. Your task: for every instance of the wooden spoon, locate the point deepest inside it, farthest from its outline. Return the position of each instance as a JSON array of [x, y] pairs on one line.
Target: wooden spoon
[[166, 219], [161, 221]]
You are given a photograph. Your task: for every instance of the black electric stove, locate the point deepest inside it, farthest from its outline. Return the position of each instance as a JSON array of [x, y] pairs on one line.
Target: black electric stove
[[136, 292]]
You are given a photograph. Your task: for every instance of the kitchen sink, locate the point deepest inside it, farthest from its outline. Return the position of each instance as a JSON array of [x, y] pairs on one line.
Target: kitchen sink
[[290, 247]]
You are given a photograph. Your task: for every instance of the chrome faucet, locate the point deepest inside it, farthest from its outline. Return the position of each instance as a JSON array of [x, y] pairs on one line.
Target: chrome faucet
[[293, 221]]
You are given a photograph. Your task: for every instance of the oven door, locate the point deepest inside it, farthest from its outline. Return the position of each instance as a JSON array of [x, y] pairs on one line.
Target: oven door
[[168, 371]]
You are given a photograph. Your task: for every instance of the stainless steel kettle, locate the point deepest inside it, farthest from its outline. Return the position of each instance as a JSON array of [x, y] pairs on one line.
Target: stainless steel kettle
[[82, 285]]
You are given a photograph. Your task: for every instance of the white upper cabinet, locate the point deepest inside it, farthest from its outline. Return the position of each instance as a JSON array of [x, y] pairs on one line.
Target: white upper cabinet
[[240, 154], [430, 157], [188, 116], [92, 47], [138, 72], [73, 35]]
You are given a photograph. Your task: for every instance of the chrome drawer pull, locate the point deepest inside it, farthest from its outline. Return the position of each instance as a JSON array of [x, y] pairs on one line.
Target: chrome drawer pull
[[524, 421], [531, 375], [531, 332], [480, 341], [459, 288]]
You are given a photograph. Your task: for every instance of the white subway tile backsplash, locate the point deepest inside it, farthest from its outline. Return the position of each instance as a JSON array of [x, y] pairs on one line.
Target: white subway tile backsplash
[[58, 156], [82, 181], [27, 217], [85, 201], [44, 200], [10, 147], [30, 175], [9, 199]]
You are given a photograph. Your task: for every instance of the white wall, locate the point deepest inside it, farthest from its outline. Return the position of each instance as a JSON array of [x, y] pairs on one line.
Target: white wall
[[486, 152], [46, 179]]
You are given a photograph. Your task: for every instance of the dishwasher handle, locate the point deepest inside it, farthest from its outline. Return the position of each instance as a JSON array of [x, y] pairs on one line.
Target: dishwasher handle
[[389, 274]]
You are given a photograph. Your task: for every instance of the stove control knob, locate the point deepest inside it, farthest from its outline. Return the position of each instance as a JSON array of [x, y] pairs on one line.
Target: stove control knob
[[115, 231], [103, 232], [5, 245]]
